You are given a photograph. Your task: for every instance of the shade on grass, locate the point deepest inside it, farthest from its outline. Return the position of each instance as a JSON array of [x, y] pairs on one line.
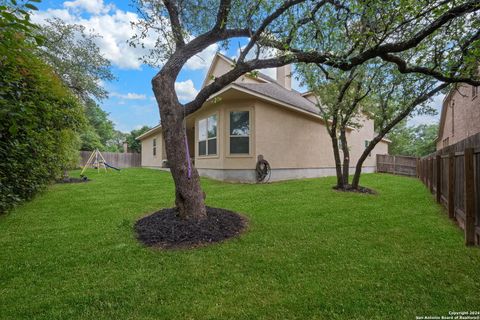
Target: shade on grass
[[310, 252]]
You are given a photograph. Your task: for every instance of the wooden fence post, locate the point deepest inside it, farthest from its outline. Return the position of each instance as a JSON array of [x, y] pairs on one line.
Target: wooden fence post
[[431, 175], [439, 178], [417, 169], [451, 185], [425, 171], [469, 198], [425, 176]]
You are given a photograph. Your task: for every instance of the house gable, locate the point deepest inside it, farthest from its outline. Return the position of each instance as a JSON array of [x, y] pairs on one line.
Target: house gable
[[221, 65]]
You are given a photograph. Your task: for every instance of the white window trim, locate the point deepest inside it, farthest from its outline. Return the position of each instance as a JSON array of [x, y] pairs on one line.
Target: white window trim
[[197, 129], [250, 153]]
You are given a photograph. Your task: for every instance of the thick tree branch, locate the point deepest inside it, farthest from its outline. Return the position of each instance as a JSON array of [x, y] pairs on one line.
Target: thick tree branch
[[403, 67], [176, 26], [222, 15]]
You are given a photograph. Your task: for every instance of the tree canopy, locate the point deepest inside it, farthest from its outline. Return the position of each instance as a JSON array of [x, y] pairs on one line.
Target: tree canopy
[[425, 37], [417, 141], [76, 58]]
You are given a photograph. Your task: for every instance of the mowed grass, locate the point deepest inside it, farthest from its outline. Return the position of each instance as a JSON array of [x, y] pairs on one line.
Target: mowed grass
[[309, 253]]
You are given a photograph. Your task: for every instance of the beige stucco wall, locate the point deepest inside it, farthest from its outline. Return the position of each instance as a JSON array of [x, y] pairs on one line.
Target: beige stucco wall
[[148, 159], [289, 139], [286, 138], [462, 116]]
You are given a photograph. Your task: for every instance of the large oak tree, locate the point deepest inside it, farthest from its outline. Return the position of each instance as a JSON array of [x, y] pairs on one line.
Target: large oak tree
[[340, 34]]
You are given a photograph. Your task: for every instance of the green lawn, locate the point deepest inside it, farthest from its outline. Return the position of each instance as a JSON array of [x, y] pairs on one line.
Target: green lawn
[[310, 253]]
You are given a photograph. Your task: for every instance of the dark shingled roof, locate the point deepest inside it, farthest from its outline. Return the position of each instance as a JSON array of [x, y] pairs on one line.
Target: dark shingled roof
[[277, 92]]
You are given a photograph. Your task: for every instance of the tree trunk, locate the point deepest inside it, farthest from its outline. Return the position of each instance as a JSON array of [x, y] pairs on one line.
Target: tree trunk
[[338, 163], [189, 198], [346, 156], [361, 160]]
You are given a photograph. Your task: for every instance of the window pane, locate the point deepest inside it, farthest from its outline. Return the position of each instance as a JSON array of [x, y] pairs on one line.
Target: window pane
[[212, 146], [239, 145], [202, 148], [212, 127], [154, 151], [154, 142], [239, 123], [202, 130]]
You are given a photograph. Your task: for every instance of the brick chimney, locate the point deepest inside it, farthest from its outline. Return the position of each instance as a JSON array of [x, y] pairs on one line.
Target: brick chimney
[[284, 76]]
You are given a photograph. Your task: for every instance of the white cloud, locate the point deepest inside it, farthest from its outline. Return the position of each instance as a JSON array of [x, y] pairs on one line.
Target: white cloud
[[185, 90], [129, 96], [90, 6], [203, 59], [114, 27], [114, 30]]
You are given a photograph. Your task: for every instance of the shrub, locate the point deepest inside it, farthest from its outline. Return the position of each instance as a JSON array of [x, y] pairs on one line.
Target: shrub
[[39, 122]]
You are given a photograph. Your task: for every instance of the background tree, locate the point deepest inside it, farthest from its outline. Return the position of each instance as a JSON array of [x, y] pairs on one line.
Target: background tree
[[74, 55], [337, 34], [417, 141], [341, 99], [133, 144], [100, 132]]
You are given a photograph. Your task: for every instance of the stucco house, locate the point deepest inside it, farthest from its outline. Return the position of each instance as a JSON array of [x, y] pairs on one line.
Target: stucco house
[[460, 116], [258, 115]]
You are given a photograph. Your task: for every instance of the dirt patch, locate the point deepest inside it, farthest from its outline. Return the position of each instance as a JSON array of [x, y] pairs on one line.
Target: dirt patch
[[165, 229], [72, 180], [360, 189]]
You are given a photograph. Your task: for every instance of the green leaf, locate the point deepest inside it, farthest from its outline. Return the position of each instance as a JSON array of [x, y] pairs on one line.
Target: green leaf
[[13, 129], [31, 6]]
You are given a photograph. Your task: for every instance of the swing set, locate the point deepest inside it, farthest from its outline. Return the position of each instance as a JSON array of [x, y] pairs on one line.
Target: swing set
[[96, 161]]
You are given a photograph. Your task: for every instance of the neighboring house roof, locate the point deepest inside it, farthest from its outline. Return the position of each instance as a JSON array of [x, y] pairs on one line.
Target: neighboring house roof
[[156, 129]]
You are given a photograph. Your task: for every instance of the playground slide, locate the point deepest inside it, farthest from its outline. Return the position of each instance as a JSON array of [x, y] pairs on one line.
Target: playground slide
[[112, 167]]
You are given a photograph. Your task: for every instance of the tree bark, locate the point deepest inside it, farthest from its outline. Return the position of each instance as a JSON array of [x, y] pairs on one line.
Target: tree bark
[[338, 163], [189, 198], [346, 157], [361, 160]]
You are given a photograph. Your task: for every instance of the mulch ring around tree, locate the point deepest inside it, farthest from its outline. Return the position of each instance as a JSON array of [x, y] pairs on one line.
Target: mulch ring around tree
[[72, 180], [165, 229], [360, 189]]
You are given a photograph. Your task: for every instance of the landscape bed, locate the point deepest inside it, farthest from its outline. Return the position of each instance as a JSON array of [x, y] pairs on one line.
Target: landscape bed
[[310, 252]]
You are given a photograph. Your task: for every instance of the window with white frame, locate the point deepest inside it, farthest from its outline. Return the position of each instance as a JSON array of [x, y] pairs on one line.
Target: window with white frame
[[154, 147], [239, 132], [207, 136]]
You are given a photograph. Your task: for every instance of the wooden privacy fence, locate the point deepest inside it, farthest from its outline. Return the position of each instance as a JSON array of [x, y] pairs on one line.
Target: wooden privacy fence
[[403, 165], [453, 175], [116, 159]]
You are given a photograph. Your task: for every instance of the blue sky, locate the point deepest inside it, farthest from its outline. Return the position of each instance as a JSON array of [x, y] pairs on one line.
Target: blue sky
[[131, 103]]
